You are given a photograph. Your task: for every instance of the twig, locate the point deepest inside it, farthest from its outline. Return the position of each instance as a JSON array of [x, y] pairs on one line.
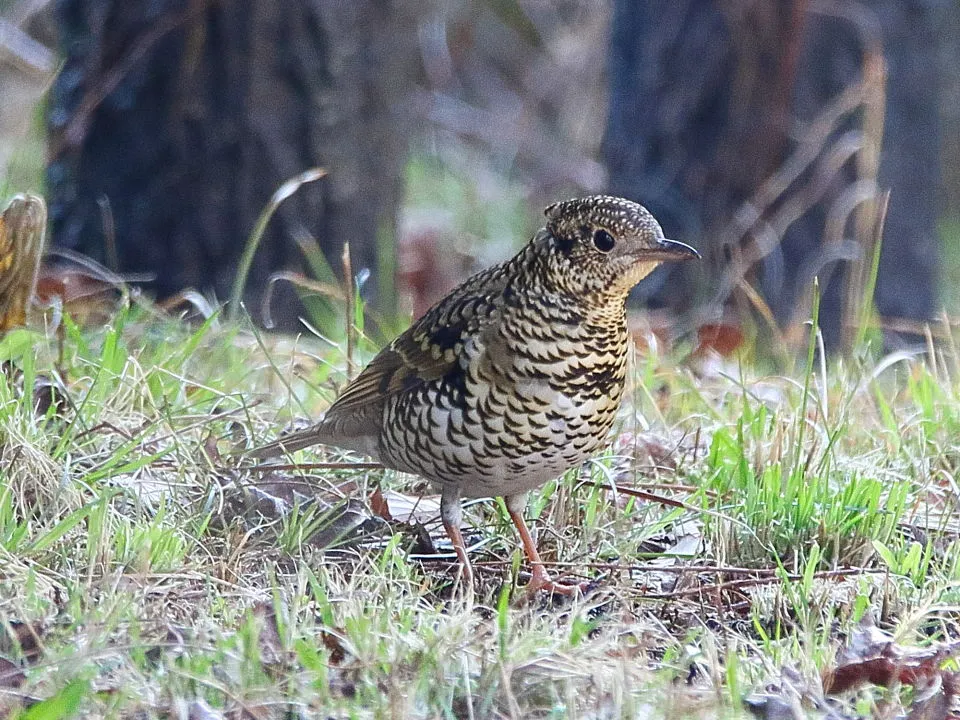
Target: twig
[[313, 466], [683, 569], [643, 495], [752, 582]]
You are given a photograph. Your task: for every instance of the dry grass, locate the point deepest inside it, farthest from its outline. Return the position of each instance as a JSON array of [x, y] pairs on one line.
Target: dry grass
[[741, 525]]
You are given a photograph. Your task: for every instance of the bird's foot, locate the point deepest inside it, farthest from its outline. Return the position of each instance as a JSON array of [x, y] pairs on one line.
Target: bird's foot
[[540, 581]]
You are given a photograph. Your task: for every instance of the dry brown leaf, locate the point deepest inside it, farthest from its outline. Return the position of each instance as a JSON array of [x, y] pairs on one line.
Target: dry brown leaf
[[12, 678], [722, 338], [87, 298], [379, 505], [873, 657], [333, 641], [411, 509], [22, 637]]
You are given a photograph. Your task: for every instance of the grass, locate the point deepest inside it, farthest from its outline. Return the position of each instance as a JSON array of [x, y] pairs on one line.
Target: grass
[[950, 264], [740, 525]]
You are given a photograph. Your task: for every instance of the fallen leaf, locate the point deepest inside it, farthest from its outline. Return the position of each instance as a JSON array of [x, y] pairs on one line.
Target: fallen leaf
[[379, 505], [48, 393], [722, 338], [345, 524], [410, 508], [22, 637], [333, 641], [88, 299], [872, 657]]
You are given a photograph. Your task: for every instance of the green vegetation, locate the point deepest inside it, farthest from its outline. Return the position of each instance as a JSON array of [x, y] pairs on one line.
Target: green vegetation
[[142, 570], [950, 265]]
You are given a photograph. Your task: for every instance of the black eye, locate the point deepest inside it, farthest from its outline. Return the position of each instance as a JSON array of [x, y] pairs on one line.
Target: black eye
[[603, 241]]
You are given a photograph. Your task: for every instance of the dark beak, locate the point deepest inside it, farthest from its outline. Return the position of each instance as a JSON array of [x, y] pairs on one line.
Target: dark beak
[[674, 250]]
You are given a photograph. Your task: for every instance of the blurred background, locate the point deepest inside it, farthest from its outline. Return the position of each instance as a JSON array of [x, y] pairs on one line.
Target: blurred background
[[787, 140]]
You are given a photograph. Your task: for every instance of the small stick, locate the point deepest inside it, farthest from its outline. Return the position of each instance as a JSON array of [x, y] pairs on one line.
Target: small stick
[[750, 582], [315, 466]]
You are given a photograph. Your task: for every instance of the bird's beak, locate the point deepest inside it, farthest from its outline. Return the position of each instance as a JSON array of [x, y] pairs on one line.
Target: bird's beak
[[673, 250]]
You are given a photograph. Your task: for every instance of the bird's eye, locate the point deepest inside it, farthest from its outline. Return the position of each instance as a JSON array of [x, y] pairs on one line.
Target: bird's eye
[[603, 241]]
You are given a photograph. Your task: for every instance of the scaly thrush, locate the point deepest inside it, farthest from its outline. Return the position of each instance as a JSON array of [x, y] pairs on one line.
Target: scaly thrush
[[512, 378]]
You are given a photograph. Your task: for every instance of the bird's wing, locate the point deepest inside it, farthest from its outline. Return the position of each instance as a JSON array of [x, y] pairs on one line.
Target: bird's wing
[[430, 349], [401, 366], [354, 420]]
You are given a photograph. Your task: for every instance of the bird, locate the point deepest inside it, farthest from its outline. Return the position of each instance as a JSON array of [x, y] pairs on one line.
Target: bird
[[511, 379]]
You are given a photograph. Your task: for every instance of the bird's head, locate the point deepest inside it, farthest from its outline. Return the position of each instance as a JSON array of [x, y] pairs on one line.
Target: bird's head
[[604, 245]]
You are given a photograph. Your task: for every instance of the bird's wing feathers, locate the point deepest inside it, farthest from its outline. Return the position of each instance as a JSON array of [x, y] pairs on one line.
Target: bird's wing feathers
[[353, 421], [426, 352], [400, 366]]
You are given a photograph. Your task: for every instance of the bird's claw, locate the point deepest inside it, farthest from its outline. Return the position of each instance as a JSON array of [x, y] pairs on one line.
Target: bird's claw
[[540, 581]]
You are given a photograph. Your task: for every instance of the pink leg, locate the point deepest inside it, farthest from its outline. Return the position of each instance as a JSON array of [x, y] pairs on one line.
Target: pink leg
[[540, 579], [451, 515]]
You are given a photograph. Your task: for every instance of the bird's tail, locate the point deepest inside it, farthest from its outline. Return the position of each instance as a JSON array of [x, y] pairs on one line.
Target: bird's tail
[[289, 443]]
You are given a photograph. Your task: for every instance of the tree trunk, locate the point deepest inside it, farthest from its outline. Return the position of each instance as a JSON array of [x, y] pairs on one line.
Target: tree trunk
[[710, 99], [173, 122]]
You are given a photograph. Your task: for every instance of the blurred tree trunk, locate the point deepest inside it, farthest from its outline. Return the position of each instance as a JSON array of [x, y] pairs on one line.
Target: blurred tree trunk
[[708, 101], [173, 122]]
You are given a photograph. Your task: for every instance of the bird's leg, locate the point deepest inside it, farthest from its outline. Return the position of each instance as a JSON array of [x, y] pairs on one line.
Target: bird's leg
[[540, 579], [451, 514]]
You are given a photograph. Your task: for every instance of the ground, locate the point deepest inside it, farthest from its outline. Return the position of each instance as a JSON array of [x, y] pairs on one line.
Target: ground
[[755, 542]]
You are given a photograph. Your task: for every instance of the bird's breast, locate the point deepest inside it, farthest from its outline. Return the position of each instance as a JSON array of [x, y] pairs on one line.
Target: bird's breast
[[521, 407]]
